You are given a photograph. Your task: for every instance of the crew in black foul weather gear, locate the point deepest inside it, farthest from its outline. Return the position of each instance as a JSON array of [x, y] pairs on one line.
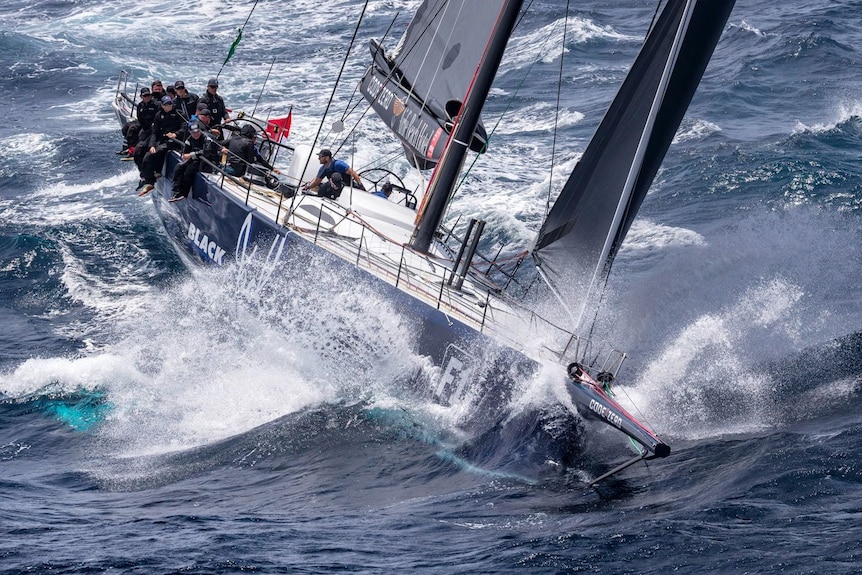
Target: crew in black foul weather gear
[[242, 153], [166, 125], [197, 146], [215, 103]]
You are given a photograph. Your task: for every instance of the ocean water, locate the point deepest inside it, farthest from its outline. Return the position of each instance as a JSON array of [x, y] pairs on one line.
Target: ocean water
[[152, 423]]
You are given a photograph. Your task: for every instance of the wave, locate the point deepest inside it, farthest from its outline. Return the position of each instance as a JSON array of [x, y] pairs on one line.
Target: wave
[[542, 44], [845, 114], [746, 26], [697, 130], [699, 339]]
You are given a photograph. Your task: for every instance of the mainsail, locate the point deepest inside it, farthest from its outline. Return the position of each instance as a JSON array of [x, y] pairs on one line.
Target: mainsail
[[584, 229], [419, 89]]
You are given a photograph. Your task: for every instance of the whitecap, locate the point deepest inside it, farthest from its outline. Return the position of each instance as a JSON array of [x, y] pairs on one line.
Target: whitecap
[[698, 130]]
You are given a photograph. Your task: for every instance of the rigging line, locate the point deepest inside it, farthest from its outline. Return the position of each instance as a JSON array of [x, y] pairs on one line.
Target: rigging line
[[557, 113], [440, 9], [236, 42], [265, 80], [337, 81], [654, 15], [503, 114], [392, 71], [636, 409], [332, 96], [347, 109], [347, 112], [607, 270]]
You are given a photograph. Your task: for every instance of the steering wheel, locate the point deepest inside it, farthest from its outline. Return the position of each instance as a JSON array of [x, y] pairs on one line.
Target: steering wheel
[[379, 176]]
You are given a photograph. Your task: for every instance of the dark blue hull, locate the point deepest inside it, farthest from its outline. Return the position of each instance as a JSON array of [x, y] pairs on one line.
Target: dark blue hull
[[212, 227]]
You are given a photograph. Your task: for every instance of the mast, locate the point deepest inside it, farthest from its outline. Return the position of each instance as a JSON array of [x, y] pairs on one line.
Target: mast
[[446, 174]]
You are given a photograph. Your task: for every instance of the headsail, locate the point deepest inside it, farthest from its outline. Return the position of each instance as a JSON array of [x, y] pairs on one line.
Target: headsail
[[586, 226], [419, 89]]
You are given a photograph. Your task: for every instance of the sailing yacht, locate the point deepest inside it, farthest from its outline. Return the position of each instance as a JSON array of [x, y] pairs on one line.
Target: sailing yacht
[[430, 90]]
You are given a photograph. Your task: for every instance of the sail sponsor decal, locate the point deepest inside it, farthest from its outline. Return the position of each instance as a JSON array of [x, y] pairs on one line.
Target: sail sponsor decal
[[435, 139], [206, 246], [379, 93], [415, 125]]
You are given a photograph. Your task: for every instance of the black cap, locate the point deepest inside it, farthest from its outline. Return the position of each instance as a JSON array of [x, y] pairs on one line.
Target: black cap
[[145, 91], [324, 152], [336, 181], [204, 112], [213, 82], [171, 90], [194, 127], [156, 83], [179, 84]]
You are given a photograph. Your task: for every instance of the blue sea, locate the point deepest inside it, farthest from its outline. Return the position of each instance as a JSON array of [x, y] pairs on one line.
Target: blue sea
[[151, 422]]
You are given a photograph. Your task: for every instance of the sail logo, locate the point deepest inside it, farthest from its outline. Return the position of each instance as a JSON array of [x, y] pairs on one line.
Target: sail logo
[[413, 130], [380, 94], [209, 247], [408, 124]]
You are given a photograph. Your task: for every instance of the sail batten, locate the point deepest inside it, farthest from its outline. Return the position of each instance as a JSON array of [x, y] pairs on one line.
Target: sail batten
[[586, 225]]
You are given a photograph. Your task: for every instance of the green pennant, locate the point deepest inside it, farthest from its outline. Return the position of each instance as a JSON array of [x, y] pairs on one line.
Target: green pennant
[[233, 46]]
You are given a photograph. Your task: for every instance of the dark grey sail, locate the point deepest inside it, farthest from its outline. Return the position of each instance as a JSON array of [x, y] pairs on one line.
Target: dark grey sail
[[584, 230], [418, 90]]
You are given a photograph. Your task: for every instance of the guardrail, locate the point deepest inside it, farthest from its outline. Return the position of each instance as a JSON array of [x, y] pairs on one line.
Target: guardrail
[[483, 305]]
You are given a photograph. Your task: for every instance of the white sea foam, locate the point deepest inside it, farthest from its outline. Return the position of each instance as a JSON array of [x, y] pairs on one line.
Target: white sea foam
[[68, 375], [62, 203], [539, 117], [707, 361], [695, 131], [648, 236], [111, 297], [744, 25], [761, 291], [199, 366], [844, 112], [544, 43], [37, 147]]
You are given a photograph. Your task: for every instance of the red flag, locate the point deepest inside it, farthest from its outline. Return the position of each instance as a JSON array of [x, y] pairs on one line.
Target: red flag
[[279, 127]]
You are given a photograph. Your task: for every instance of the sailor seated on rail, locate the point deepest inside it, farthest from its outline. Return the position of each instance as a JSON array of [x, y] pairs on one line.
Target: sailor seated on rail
[[242, 153]]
